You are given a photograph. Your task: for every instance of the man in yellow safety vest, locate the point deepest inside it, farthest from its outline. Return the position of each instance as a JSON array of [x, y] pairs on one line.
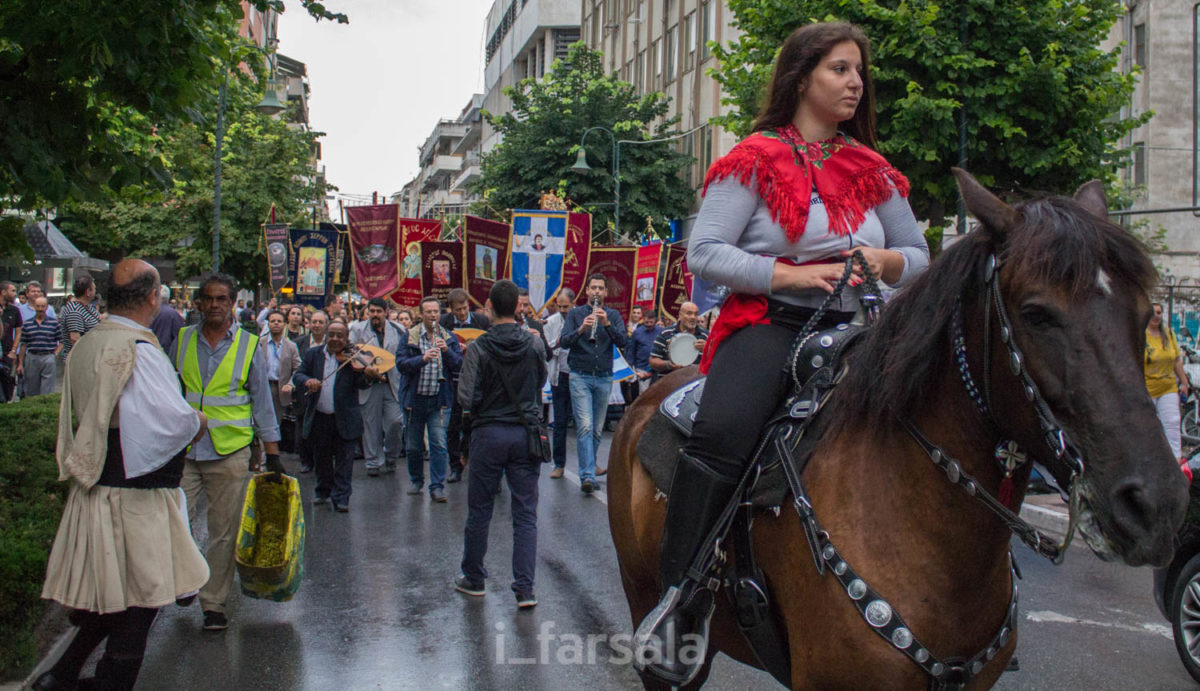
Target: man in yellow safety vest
[[224, 376]]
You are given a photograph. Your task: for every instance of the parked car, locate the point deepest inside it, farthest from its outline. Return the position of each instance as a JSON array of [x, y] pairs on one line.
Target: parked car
[[1177, 586]]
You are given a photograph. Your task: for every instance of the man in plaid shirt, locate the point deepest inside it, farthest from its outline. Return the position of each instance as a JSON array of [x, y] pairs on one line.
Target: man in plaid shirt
[[432, 357]]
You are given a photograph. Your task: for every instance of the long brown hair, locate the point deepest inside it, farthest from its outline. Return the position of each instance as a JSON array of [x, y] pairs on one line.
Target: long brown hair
[[802, 51], [1162, 333]]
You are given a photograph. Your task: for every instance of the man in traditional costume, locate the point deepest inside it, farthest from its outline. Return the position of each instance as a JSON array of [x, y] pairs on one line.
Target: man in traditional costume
[[123, 547], [224, 375]]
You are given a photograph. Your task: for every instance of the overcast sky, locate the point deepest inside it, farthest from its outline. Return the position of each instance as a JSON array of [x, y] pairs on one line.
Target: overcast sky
[[380, 83]]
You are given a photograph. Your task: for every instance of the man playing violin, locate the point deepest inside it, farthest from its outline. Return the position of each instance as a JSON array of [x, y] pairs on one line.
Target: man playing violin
[[333, 424]]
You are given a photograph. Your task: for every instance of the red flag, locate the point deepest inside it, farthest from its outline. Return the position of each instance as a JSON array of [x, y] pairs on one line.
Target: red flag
[[618, 265], [487, 256], [374, 240], [577, 252], [441, 269], [645, 275], [413, 231], [677, 282]]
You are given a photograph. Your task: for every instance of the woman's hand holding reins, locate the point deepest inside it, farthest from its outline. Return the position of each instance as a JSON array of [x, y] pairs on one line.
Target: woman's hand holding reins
[[887, 265], [789, 279]]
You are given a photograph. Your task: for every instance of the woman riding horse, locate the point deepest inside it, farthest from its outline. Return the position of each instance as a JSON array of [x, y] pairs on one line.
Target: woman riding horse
[[781, 213]]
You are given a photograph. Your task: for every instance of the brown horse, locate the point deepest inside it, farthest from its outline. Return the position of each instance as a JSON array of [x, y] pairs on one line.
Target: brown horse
[[1075, 289]]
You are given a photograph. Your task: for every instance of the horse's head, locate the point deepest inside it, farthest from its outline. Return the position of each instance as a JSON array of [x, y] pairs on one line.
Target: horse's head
[[1074, 288]]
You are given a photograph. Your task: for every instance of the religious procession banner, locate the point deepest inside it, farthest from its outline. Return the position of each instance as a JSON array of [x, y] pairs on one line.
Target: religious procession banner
[[314, 256], [618, 265], [441, 269], [414, 231], [487, 256], [677, 282], [577, 252], [536, 255], [374, 242], [645, 275], [278, 253]]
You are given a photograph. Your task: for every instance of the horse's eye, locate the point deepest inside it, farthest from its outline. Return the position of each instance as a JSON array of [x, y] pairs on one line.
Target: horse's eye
[[1038, 316]]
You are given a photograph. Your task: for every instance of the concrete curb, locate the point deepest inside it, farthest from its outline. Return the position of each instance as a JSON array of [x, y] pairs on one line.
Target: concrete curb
[[1051, 520]]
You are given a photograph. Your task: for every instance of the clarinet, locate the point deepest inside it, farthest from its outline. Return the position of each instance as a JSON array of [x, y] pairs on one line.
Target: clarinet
[[596, 324]]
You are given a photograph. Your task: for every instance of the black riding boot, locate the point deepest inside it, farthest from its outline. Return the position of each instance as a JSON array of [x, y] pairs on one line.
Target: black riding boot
[[672, 641]]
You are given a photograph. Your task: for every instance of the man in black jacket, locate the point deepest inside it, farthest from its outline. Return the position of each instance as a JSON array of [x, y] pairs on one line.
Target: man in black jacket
[[500, 440], [333, 421]]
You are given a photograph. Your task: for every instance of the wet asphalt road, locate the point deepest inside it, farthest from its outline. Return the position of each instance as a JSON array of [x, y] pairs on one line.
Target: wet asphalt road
[[377, 610]]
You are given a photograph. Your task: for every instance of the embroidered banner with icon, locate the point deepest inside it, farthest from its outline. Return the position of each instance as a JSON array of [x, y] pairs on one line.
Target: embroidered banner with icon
[[617, 264], [441, 269], [278, 254], [314, 255], [374, 242], [676, 283], [414, 231], [577, 252], [487, 255], [645, 275], [536, 254]]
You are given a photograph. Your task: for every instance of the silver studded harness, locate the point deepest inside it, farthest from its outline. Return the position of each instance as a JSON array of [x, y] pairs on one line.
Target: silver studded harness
[[880, 615]]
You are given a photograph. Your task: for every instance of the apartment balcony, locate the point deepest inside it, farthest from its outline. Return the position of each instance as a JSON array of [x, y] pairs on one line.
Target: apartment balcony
[[470, 173]]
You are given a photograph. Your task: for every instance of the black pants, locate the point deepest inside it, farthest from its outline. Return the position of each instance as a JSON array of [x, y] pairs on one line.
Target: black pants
[[333, 459], [454, 437], [560, 394], [305, 451], [126, 632], [746, 384]]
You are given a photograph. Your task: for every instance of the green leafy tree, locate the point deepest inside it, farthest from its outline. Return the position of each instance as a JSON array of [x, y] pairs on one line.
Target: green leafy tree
[[1042, 100], [541, 141], [67, 69], [265, 162]]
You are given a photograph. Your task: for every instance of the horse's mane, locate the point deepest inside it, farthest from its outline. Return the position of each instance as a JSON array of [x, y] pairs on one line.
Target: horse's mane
[[1055, 241]]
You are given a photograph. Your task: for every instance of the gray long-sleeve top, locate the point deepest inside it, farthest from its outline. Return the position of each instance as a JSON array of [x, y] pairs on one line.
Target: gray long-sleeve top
[[735, 242]]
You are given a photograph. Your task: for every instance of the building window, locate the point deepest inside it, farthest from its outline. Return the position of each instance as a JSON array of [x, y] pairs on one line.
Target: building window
[[708, 29], [1139, 45], [1139, 164], [671, 48], [689, 41], [706, 148], [656, 49], [639, 72]]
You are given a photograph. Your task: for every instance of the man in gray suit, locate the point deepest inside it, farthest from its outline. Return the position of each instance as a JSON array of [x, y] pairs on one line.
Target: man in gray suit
[[283, 359], [383, 416]]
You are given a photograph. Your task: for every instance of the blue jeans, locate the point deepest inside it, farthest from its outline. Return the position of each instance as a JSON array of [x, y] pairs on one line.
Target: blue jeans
[[427, 416], [560, 392], [589, 402], [496, 451]]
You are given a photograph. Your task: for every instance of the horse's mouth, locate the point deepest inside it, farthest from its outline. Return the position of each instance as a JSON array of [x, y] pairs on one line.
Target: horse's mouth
[[1093, 533]]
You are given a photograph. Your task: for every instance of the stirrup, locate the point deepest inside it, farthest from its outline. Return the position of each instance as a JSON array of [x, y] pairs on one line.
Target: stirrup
[[648, 659]]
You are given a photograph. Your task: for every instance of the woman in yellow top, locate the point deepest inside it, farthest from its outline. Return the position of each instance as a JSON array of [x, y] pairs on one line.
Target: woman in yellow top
[[1165, 377]]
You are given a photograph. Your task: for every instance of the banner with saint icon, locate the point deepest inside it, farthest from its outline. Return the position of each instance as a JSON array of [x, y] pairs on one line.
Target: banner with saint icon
[[275, 236], [577, 252], [487, 256], [374, 242], [441, 269], [617, 264], [676, 283], [414, 231], [536, 254], [314, 254], [645, 275]]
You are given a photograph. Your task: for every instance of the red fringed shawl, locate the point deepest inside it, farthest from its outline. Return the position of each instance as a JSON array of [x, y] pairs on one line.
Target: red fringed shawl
[[850, 177]]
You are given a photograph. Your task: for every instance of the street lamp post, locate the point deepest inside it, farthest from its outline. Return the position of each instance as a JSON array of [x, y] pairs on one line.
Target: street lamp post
[[582, 165]]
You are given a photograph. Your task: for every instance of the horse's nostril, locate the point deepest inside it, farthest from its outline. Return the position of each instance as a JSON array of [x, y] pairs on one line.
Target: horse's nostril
[[1134, 507]]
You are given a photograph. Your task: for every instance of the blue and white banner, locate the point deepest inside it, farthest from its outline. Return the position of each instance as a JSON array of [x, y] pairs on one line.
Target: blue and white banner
[[538, 238]]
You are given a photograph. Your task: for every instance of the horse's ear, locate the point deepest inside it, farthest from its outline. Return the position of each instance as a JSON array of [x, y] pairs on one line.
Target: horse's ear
[[1090, 196], [985, 206]]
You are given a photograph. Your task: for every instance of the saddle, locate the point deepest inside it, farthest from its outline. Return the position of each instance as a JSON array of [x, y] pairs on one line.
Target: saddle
[[818, 361]]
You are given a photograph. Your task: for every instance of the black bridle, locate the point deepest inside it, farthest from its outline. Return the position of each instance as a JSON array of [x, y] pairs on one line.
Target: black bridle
[[880, 615]]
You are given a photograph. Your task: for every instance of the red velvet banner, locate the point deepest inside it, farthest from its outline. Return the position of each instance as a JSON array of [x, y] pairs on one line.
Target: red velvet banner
[[618, 265], [486, 256], [677, 282], [645, 275], [414, 231], [374, 239], [577, 253], [441, 269]]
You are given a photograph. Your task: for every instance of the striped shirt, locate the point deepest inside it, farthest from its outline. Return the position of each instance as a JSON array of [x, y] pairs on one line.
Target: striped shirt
[[42, 338], [77, 318]]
